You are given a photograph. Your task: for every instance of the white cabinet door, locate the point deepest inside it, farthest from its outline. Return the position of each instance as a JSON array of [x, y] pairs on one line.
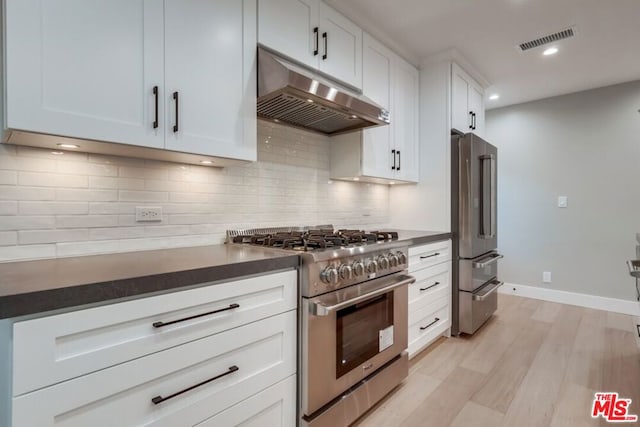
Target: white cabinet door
[[340, 47], [404, 122], [210, 77], [460, 117], [290, 27], [86, 69], [377, 62]]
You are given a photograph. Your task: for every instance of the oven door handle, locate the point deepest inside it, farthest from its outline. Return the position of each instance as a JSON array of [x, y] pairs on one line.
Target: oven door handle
[[323, 306]]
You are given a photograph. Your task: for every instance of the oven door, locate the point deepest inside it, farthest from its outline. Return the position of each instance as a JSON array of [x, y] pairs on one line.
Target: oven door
[[348, 334]]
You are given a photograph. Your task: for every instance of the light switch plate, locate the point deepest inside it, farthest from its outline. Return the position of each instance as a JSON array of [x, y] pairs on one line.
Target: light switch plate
[[562, 201], [546, 276]]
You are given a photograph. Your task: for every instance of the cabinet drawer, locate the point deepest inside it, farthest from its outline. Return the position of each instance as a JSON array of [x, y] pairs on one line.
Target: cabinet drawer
[[262, 354], [273, 407], [430, 254], [431, 284], [428, 323], [56, 348]]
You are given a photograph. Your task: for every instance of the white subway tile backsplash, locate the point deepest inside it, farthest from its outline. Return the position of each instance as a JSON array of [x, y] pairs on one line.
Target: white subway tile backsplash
[[143, 196], [92, 195], [53, 208], [88, 221], [8, 207], [25, 252], [11, 192], [28, 237], [8, 238], [27, 222], [80, 204]]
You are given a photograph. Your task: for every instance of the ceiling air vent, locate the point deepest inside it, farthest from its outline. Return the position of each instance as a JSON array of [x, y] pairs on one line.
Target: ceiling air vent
[[550, 38]]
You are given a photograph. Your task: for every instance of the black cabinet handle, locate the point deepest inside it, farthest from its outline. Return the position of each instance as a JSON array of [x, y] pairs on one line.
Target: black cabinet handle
[[315, 33], [436, 320], [429, 287], [155, 94], [175, 97], [470, 119], [393, 152], [474, 121], [430, 256], [184, 319], [159, 399], [398, 160], [325, 37]]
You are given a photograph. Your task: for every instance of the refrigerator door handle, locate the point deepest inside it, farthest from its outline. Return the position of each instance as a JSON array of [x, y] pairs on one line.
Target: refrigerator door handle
[[488, 197], [488, 291], [487, 261]]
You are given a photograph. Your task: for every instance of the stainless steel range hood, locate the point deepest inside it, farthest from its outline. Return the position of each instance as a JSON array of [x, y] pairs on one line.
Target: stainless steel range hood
[[290, 95]]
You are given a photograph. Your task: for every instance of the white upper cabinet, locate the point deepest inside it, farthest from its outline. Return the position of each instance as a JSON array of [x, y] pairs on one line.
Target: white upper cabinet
[[467, 105], [106, 70], [209, 63], [340, 47], [383, 154], [405, 120], [85, 69], [291, 28], [313, 34], [376, 85]]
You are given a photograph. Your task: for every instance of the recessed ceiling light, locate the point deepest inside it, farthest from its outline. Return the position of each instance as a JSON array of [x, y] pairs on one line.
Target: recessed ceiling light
[[57, 153], [494, 97], [206, 162], [550, 51], [68, 145], [356, 179]]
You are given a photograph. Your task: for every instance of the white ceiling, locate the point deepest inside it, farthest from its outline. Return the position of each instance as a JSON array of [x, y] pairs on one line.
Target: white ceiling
[[605, 50]]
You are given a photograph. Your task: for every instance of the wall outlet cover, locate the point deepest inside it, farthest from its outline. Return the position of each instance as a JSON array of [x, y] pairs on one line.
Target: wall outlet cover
[[563, 201], [546, 276], [148, 213]]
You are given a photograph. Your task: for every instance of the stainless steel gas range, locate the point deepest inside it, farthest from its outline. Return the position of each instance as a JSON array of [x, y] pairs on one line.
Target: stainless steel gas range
[[353, 317]]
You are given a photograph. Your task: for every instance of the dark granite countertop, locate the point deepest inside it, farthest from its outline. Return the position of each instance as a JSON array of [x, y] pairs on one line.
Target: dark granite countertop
[[28, 287], [418, 237]]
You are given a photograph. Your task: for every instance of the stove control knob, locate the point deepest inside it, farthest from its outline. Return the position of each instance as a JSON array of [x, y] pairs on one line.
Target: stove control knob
[[358, 268], [402, 258], [329, 275], [346, 272], [372, 266], [383, 262], [393, 260]]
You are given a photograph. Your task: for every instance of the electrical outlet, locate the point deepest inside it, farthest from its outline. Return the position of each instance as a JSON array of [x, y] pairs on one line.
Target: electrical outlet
[[148, 213], [546, 277], [563, 201]]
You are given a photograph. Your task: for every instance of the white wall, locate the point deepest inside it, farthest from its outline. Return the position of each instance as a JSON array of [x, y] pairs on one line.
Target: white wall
[[77, 203], [585, 146]]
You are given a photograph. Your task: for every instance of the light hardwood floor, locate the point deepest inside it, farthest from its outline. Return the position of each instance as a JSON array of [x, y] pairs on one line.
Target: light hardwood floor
[[535, 363]]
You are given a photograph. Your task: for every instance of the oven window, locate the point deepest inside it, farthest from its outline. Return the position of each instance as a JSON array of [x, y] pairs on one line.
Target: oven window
[[358, 331]]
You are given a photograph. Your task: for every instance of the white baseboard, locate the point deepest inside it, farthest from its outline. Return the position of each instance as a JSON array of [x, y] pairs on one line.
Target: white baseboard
[[572, 298]]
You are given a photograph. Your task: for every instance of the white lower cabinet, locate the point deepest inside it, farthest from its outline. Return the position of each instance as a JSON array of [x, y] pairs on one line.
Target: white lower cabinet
[[220, 354], [430, 295], [183, 385], [275, 406]]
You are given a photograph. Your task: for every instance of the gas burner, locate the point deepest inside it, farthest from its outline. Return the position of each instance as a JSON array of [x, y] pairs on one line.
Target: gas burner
[[315, 239]]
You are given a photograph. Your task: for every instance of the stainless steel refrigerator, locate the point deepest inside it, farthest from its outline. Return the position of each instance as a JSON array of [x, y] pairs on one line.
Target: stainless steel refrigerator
[[474, 223]]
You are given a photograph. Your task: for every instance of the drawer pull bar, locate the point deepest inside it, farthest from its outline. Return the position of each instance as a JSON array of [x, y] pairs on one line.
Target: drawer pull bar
[[429, 287], [161, 324], [422, 328], [430, 256], [159, 399]]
